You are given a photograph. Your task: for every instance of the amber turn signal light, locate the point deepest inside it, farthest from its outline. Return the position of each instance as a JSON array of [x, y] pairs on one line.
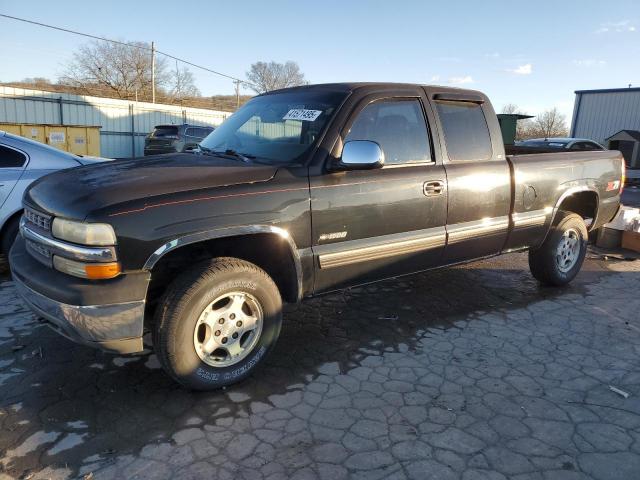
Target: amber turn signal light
[[101, 271]]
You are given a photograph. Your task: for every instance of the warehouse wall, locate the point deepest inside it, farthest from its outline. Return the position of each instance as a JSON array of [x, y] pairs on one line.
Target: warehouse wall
[[599, 114], [124, 123]]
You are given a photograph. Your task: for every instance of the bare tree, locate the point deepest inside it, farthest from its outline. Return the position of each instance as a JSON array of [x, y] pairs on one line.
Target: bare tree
[[125, 70], [182, 84], [511, 109], [550, 123], [264, 77], [36, 81]]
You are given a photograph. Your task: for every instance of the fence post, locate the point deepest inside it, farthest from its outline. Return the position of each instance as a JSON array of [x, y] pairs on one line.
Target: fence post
[[133, 132], [61, 112]]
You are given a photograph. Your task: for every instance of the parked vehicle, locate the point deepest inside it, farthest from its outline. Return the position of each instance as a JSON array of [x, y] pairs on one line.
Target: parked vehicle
[[561, 143], [21, 162], [174, 138], [301, 191]]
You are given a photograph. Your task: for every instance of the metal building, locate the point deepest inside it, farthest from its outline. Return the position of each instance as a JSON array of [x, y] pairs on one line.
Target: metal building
[[124, 123], [602, 114]]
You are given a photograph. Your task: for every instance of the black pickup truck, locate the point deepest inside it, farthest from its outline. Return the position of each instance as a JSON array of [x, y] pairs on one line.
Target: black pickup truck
[[301, 191]]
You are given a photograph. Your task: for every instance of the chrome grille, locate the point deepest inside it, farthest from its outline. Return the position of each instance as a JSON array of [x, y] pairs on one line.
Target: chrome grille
[[38, 219], [39, 252]]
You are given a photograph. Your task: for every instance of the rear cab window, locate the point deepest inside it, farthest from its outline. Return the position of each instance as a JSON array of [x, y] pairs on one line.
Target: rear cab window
[[466, 132], [165, 131]]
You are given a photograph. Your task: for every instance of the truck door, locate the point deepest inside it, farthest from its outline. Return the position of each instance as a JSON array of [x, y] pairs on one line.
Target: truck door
[[478, 176], [373, 224], [12, 164]]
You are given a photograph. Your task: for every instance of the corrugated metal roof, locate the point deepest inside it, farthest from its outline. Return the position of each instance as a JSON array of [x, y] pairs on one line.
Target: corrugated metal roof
[[610, 90]]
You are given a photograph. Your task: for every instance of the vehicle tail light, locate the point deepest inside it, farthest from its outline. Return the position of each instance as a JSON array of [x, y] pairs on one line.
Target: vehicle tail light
[[624, 176]]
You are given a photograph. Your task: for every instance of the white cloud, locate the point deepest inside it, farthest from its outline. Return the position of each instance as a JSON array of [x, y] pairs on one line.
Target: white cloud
[[461, 80], [621, 26], [435, 78], [589, 63], [492, 55], [525, 69]]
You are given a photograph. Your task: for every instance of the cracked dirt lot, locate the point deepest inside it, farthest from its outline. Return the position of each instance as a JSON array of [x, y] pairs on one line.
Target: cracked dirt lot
[[473, 372]]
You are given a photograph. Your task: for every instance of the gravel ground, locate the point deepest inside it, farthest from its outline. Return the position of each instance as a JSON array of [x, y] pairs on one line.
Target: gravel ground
[[472, 372]]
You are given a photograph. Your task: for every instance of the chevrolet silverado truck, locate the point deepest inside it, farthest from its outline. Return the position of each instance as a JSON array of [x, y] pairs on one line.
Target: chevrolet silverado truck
[[302, 191]]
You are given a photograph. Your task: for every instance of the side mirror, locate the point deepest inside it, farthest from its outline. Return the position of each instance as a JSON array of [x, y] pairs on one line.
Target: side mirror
[[361, 155]]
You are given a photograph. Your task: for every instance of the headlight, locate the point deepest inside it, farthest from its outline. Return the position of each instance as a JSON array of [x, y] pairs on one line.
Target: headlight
[[83, 233], [92, 271]]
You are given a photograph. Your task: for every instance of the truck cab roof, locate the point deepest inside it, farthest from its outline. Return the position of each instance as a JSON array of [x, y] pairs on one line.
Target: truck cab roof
[[373, 86]]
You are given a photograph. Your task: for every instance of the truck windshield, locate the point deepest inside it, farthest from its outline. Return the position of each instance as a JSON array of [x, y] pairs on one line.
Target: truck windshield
[[276, 128]]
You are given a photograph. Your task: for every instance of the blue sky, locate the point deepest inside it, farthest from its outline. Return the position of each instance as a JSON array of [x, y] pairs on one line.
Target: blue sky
[[531, 53]]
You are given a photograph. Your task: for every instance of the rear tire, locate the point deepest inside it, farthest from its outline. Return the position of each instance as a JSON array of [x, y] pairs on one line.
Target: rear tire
[[559, 259], [216, 323]]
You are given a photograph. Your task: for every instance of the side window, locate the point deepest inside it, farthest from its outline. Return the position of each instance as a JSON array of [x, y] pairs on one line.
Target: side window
[[190, 132], [398, 126], [10, 158], [465, 130]]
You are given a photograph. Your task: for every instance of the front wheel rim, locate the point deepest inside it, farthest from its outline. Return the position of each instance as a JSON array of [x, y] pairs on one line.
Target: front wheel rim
[[228, 329], [568, 251]]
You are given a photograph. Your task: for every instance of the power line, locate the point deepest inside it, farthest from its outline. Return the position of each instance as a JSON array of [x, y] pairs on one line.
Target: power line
[[141, 47]]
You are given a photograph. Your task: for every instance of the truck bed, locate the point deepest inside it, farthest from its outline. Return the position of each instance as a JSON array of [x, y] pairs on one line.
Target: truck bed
[[542, 180]]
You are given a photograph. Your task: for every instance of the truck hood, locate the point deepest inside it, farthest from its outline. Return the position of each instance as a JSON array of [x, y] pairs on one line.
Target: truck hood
[[77, 192]]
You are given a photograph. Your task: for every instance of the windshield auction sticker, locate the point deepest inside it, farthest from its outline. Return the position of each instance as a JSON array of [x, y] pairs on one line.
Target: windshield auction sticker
[[302, 114]]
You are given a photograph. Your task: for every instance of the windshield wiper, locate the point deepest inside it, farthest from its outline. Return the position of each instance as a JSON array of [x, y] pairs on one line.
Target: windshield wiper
[[229, 153]]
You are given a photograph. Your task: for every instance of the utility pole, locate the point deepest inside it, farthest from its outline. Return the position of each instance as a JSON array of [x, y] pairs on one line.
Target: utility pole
[[153, 72], [237, 82]]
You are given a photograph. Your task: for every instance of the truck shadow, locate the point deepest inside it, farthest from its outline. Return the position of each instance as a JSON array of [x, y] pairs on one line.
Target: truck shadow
[[51, 388]]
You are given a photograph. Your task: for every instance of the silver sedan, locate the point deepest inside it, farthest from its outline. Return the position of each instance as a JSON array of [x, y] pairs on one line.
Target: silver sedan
[[21, 162]]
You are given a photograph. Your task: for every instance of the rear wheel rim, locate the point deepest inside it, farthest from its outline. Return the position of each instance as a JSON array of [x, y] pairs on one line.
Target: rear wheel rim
[[228, 329], [568, 251]]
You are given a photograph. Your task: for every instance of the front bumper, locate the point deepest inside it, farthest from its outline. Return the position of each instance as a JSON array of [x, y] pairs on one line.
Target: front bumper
[[114, 323]]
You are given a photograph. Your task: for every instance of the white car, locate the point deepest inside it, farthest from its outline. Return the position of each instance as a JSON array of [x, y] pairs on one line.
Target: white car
[[21, 162]]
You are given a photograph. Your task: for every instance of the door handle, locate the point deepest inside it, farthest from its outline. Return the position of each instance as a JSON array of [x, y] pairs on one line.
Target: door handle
[[433, 188]]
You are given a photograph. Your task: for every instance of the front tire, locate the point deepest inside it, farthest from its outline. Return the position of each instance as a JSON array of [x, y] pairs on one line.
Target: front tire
[[559, 259], [216, 323]]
